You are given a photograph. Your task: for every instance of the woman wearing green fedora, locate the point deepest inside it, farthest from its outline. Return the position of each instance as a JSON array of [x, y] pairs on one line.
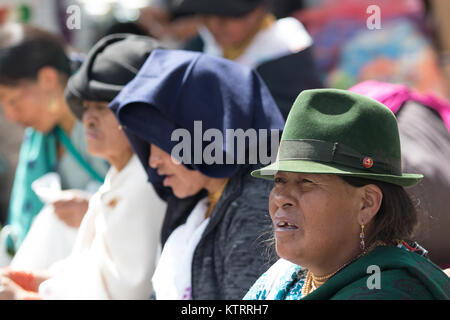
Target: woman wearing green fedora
[[342, 219]]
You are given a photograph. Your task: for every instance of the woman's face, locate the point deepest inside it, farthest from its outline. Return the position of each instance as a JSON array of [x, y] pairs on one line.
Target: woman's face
[[28, 105], [103, 135], [231, 31], [315, 217], [184, 182]]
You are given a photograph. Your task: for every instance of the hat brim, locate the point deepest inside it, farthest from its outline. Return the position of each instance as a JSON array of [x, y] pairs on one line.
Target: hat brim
[[75, 102], [305, 166]]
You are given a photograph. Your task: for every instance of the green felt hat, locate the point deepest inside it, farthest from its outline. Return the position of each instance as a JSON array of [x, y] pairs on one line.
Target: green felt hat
[[333, 131]]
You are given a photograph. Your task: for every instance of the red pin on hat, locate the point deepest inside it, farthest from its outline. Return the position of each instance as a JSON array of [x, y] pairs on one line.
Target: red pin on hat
[[367, 162]]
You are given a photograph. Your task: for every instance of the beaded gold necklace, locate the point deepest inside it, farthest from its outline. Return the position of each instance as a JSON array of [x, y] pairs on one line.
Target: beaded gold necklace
[[313, 282]]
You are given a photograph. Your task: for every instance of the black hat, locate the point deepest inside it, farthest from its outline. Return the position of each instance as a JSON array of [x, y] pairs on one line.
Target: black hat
[[226, 8], [109, 66]]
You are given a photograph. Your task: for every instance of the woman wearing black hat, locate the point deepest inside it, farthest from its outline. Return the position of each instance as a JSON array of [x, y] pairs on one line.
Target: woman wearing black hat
[[115, 251], [244, 31], [34, 69]]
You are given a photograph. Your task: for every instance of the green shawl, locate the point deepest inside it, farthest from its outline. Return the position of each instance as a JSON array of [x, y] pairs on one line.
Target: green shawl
[[404, 275]]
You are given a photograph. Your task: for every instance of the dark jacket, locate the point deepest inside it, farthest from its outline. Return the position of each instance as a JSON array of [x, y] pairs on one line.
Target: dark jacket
[[285, 77], [236, 247]]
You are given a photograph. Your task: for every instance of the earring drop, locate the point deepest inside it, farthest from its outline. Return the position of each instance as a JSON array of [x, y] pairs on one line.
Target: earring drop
[[362, 245]]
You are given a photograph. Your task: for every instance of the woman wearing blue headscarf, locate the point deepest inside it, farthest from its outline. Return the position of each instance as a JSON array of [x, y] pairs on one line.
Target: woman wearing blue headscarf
[[185, 115]]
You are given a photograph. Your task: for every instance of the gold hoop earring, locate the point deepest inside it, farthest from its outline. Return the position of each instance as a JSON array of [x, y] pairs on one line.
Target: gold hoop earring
[[53, 106]]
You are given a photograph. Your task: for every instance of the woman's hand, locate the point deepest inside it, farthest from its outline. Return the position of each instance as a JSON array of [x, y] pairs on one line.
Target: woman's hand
[[9, 290], [72, 207], [21, 284]]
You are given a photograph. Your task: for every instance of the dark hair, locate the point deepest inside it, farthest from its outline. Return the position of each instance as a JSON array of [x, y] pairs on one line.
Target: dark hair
[[397, 217], [24, 50], [229, 8]]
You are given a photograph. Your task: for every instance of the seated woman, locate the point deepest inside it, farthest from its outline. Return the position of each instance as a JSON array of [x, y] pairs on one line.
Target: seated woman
[[34, 69], [341, 216], [216, 225], [115, 251]]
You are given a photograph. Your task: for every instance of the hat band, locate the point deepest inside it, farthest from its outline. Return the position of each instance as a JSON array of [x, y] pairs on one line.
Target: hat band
[[329, 152]]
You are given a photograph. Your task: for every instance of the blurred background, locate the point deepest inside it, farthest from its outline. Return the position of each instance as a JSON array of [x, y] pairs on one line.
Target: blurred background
[[411, 47]]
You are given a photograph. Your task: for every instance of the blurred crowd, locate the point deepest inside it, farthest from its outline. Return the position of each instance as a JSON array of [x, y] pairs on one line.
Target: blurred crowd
[[92, 205]]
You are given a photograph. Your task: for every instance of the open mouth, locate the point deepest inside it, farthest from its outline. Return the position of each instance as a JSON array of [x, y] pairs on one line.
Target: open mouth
[[284, 225]]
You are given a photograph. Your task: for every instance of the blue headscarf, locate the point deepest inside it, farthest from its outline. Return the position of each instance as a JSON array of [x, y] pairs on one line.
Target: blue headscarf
[[174, 88]]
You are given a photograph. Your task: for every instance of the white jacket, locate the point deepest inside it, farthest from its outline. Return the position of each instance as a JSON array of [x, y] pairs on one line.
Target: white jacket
[[115, 252], [285, 36]]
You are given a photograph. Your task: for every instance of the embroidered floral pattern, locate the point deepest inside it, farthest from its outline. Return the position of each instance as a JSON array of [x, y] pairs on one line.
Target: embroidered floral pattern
[[283, 281]]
